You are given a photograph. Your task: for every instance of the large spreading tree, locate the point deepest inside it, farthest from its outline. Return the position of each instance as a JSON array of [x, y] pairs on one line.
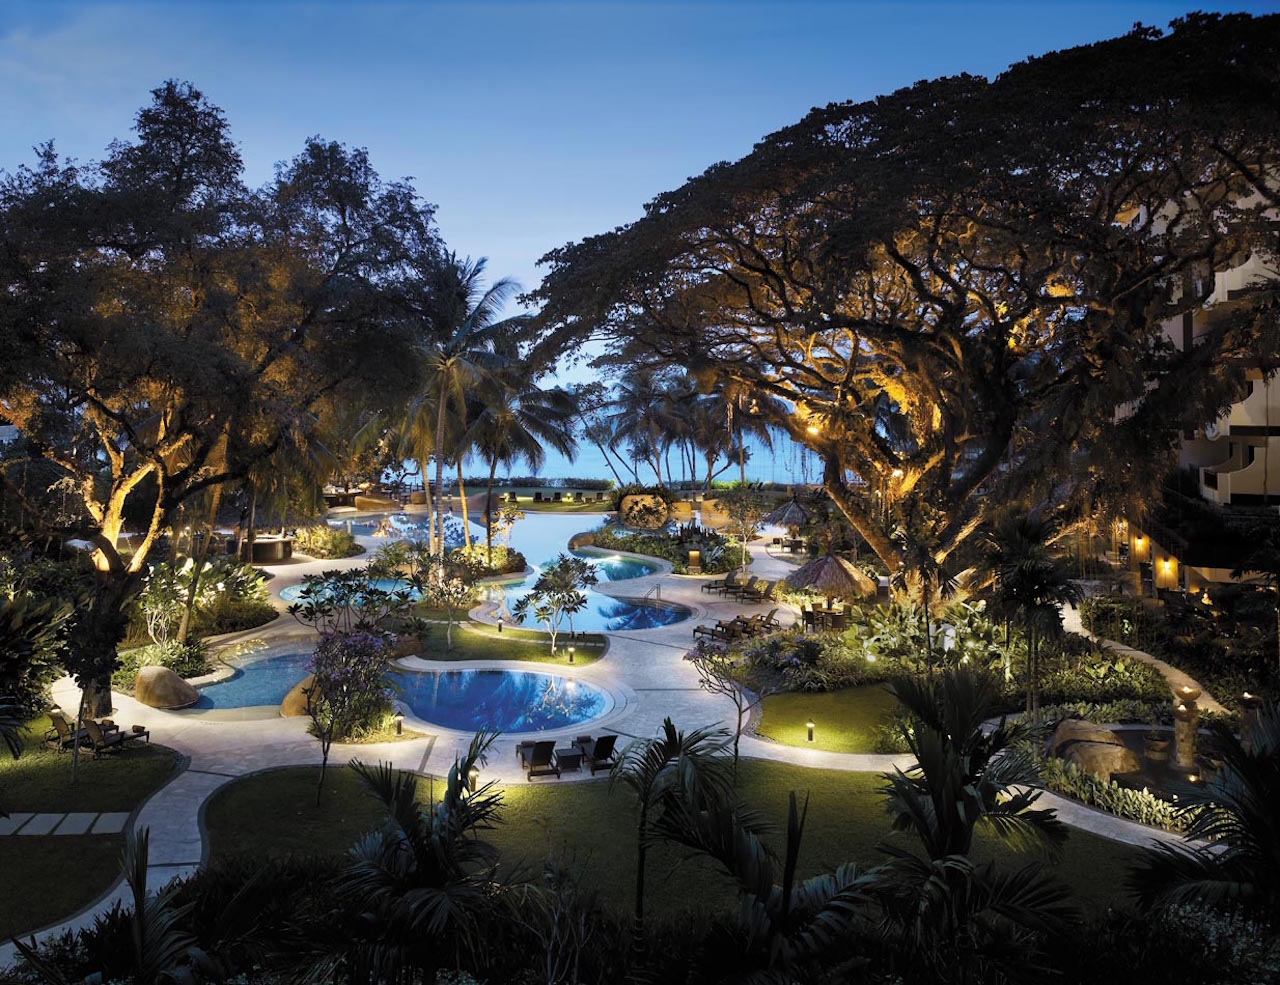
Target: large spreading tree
[[169, 330], [963, 292]]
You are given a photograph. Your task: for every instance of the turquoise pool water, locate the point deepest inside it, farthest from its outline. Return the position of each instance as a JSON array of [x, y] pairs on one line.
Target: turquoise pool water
[[506, 700], [261, 678]]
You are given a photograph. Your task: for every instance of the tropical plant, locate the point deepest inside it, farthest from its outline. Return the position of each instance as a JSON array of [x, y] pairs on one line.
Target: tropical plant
[[12, 725], [423, 878], [557, 593], [654, 770], [1264, 557], [348, 689], [347, 601], [1237, 818], [719, 672]]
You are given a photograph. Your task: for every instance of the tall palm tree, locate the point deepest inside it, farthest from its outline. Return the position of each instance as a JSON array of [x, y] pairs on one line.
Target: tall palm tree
[[1036, 588], [1015, 539], [653, 770], [517, 422], [1239, 817], [946, 911], [918, 560], [644, 415], [464, 332]]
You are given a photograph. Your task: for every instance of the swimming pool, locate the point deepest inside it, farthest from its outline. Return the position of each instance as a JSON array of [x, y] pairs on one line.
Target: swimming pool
[[402, 526], [262, 678], [505, 700]]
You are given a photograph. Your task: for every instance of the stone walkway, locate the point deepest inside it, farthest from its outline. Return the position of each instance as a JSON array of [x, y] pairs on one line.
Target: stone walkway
[[90, 823], [644, 671], [1176, 678]]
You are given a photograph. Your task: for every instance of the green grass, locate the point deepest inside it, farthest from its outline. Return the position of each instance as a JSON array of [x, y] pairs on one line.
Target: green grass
[[40, 780], [48, 877], [845, 720], [477, 641], [594, 830]]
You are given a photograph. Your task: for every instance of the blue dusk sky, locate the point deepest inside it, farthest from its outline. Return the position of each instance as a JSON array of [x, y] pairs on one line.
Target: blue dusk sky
[[528, 124]]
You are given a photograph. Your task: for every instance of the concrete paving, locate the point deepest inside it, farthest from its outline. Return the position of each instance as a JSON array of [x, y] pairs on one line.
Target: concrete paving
[[645, 672]]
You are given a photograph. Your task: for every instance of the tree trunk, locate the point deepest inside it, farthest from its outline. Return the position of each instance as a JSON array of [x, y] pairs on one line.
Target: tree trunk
[[462, 496], [324, 764], [609, 462], [251, 532], [437, 544], [488, 511], [198, 565]]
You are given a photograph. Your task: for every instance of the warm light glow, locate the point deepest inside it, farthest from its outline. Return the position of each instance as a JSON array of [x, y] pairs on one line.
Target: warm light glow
[[812, 430], [1182, 708], [897, 473], [1167, 564], [810, 726]]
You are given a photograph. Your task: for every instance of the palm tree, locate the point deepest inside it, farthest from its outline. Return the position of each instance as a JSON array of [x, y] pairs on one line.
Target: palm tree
[[1239, 818], [519, 420], [653, 769], [423, 877], [1036, 588], [1014, 540], [783, 924], [946, 911], [644, 415], [460, 350], [918, 560]]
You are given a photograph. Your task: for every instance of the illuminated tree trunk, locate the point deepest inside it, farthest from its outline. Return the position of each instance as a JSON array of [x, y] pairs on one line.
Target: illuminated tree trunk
[[488, 511], [462, 495]]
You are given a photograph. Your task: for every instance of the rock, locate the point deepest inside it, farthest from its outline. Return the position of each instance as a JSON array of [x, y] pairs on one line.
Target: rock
[[1102, 758], [375, 504], [1076, 730], [643, 511], [406, 646], [294, 704], [160, 687]]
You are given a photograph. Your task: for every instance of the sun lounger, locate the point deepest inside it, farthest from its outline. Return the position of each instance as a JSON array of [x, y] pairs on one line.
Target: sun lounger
[[541, 761], [759, 593], [738, 591], [537, 497], [719, 583], [597, 753], [63, 735], [104, 741]]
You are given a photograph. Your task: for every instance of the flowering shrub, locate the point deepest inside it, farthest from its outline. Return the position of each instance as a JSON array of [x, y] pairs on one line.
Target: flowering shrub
[[184, 659], [1134, 805], [503, 561], [323, 541], [229, 595]]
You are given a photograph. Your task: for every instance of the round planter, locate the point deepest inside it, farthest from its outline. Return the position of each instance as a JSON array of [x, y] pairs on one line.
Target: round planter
[[1156, 749]]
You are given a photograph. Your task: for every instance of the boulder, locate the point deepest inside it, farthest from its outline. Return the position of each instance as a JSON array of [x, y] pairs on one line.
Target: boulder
[[160, 687], [294, 704], [1102, 758], [642, 510], [1071, 730], [375, 503]]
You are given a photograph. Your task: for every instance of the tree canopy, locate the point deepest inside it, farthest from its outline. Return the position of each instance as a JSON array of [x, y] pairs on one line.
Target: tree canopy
[[963, 287]]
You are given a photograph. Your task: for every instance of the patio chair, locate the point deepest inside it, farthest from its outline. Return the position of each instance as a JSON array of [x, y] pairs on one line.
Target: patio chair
[[728, 631], [104, 741], [771, 620], [750, 627], [541, 761], [761, 593], [741, 591], [63, 735], [808, 620], [719, 583], [598, 753]]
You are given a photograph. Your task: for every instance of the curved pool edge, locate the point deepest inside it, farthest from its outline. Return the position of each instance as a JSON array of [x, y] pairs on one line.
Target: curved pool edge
[[623, 697]]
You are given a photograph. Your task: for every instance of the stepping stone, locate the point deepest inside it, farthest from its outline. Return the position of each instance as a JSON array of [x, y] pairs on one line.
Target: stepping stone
[[110, 823], [41, 824], [10, 824], [75, 824]]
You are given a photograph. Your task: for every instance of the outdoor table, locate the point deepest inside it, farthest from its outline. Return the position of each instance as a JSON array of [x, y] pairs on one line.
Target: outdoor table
[[569, 759]]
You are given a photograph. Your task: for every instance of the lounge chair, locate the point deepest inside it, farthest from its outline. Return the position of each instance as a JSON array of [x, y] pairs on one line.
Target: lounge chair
[[577, 497], [598, 753], [104, 741], [537, 497], [719, 583], [558, 497], [740, 591], [750, 627], [771, 620], [63, 735], [759, 594], [731, 630], [599, 497], [541, 761]]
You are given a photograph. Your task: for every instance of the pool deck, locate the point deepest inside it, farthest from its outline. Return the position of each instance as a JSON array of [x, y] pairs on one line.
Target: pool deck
[[644, 670]]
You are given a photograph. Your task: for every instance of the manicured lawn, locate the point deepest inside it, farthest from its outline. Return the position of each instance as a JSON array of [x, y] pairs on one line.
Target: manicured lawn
[[566, 505], [845, 721], [47, 878], [593, 829], [40, 780], [477, 641]]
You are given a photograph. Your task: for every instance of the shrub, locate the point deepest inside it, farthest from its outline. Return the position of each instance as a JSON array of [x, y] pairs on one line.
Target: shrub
[[717, 555], [184, 659], [503, 561], [231, 615], [328, 543], [1142, 806]]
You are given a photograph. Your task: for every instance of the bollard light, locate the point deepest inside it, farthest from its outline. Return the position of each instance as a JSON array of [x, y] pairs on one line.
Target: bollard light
[[809, 725], [473, 779], [399, 720], [572, 650], [499, 625]]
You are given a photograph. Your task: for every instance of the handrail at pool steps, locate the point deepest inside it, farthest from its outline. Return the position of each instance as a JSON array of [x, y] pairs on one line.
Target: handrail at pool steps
[[654, 593]]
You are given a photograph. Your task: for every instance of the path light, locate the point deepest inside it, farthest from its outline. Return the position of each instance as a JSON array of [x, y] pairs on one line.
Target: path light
[[499, 625], [572, 651], [473, 779], [398, 717], [809, 725]]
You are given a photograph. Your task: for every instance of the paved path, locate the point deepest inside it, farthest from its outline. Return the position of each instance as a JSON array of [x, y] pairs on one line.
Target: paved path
[[1177, 679], [75, 823], [644, 671]]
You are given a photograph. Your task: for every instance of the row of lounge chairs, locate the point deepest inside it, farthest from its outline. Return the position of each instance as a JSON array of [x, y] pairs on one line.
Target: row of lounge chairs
[[740, 627], [752, 590], [542, 758], [558, 497], [100, 737]]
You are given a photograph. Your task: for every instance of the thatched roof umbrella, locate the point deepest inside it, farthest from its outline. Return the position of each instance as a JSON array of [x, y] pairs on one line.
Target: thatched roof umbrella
[[830, 575], [789, 514]]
